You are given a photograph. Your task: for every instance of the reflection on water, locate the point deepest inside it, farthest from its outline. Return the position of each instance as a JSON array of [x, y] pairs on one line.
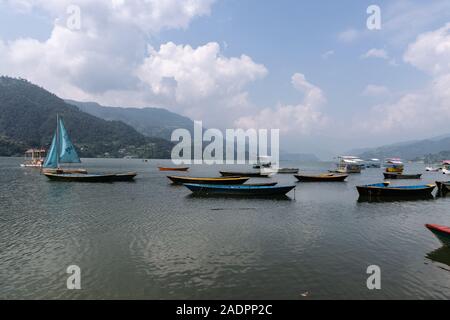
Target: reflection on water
[[441, 255], [152, 240]]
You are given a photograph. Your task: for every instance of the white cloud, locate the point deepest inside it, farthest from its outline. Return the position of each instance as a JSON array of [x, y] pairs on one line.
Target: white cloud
[[327, 54], [301, 118], [431, 51], [348, 35], [379, 54], [427, 110], [200, 80], [376, 53], [373, 90]]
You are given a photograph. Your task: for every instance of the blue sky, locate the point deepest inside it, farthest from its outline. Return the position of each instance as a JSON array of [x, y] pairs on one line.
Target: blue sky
[[358, 101]]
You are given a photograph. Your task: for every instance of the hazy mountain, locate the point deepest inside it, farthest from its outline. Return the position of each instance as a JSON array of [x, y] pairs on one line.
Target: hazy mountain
[[152, 122], [28, 119], [409, 150]]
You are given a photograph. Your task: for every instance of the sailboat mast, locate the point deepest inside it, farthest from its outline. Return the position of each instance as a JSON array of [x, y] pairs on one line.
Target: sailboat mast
[[57, 141]]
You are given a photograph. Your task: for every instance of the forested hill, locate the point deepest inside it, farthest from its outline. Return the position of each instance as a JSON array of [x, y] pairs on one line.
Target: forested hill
[[28, 119], [152, 122]]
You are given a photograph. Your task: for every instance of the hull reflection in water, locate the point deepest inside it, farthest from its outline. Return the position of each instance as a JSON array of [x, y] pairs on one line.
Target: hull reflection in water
[[441, 255]]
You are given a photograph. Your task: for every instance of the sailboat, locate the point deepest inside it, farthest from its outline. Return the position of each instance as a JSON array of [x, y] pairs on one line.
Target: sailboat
[[62, 151]]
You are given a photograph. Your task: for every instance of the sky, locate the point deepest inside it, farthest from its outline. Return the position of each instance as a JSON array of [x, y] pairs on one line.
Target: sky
[[312, 69]]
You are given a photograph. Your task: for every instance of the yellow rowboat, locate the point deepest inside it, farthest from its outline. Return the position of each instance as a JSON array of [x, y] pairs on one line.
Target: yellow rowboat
[[219, 181]]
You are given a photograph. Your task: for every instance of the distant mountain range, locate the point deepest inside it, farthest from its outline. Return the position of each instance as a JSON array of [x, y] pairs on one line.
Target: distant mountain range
[[413, 150], [151, 122], [28, 119]]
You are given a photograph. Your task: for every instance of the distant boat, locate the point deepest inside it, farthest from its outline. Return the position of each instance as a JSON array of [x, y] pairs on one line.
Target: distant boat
[[34, 158], [220, 180], [431, 169], [348, 164], [241, 190], [446, 167], [373, 163], [441, 232], [394, 175], [173, 169], [62, 151], [288, 170], [254, 174], [326, 177], [385, 190], [394, 165], [263, 162]]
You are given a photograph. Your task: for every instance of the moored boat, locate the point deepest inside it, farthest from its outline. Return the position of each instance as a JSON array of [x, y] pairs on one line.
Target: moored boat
[[127, 176], [64, 170], [173, 169], [385, 190], [263, 162], [288, 170], [446, 167], [254, 174], [432, 169], [62, 151], [348, 164], [326, 177], [394, 165], [396, 175], [441, 232], [220, 180], [263, 184], [72, 177], [34, 158], [373, 163], [241, 190]]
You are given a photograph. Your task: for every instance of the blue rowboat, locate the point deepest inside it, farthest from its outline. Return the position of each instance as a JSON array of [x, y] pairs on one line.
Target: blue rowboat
[[385, 190], [239, 190]]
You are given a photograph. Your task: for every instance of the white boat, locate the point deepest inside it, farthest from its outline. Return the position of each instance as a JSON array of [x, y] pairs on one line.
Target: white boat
[[34, 158], [431, 169], [349, 164]]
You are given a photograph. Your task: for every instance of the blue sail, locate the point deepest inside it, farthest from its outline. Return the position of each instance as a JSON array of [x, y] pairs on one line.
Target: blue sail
[[67, 152], [51, 161]]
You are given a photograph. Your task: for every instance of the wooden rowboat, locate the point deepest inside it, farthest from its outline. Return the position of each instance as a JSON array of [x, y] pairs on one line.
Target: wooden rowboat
[[384, 190], [220, 180], [241, 190], [128, 176], [264, 184], [74, 177], [255, 174], [441, 232], [83, 177], [393, 175], [326, 177], [65, 170], [173, 169], [287, 170]]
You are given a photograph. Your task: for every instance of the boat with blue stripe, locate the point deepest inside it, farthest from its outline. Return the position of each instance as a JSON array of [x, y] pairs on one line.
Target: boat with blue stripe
[[239, 190], [386, 190]]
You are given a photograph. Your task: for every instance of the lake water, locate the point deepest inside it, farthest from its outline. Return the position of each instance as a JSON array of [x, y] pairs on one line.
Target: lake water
[[152, 240]]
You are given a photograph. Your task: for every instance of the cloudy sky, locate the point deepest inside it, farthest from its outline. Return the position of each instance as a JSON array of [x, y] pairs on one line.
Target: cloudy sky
[[310, 68]]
